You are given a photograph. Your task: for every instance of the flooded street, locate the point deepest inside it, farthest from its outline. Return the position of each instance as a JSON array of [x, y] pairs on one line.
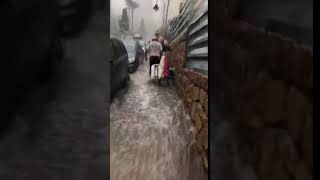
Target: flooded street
[[71, 140], [150, 134]]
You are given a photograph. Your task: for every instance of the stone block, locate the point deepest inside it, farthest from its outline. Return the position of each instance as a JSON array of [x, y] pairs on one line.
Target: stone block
[[198, 79], [188, 89], [295, 112], [206, 104], [203, 97], [193, 132], [277, 155], [189, 101], [193, 109], [197, 122], [255, 81], [296, 67], [204, 117], [202, 138], [196, 118], [286, 151], [182, 80], [307, 140], [195, 93], [270, 100], [251, 119], [266, 151], [205, 160], [202, 82], [278, 172], [302, 172], [189, 104]]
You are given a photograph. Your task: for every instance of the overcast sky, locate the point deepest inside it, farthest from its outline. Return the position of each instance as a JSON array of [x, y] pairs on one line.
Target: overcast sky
[[153, 20]]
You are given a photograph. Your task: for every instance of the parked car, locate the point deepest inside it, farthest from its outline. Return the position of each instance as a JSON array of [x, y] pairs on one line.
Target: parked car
[[135, 54], [118, 66], [137, 36]]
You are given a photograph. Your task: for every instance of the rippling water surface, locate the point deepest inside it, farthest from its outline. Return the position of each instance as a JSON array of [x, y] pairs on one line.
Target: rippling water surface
[[150, 134]]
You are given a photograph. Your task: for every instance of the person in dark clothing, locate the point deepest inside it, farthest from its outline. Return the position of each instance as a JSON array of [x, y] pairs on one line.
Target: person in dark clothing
[[165, 46], [156, 35], [153, 60], [154, 48]]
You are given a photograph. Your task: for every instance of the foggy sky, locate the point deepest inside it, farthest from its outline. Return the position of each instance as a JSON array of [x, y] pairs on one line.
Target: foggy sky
[[152, 19]]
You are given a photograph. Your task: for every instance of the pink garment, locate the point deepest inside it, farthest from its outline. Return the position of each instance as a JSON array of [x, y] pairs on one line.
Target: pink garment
[[166, 70]]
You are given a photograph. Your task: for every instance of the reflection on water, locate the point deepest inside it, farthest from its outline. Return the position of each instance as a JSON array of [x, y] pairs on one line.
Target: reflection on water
[[150, 134]]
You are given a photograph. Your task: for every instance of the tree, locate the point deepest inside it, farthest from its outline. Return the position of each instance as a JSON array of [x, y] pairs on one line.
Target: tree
[[132, 5], [167, 11], [142, 29], [124, 21]]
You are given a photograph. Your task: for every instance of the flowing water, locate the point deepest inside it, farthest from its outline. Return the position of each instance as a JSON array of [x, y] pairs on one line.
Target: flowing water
[[151, 134]]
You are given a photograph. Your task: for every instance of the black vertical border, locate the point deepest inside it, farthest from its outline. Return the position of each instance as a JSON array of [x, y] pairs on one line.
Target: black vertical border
[[315, 58], [210, 82], [107, 107]]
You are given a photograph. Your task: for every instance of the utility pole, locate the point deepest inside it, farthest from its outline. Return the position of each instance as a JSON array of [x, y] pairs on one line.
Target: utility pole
[[132, 21], [132, 5], [166, 21], [164, 15]]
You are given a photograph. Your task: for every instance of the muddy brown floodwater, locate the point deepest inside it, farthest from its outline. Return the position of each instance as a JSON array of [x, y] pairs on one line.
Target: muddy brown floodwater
[[151, 134]]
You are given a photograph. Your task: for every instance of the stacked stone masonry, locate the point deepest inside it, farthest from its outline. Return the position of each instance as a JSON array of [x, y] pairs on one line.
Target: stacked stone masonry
[[265, 81], [192, 87]]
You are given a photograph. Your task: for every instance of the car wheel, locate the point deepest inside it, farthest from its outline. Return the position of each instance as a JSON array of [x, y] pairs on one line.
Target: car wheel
[[141, 59], [137, 64]]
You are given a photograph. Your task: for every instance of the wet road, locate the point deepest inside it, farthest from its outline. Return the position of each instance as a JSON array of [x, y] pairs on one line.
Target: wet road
[[72, 143], [150, 134]]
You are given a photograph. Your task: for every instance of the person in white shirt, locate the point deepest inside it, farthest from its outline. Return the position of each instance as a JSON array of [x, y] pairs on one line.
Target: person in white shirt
[[155, 49]]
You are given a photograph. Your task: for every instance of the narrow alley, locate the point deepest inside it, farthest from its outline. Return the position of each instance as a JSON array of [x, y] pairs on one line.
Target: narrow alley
[[150, 133]]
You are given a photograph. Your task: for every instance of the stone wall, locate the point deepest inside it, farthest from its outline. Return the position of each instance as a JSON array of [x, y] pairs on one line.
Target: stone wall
[[263, 84], [192, 87]]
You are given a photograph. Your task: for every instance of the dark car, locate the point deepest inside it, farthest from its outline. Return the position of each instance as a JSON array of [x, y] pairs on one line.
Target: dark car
[[118, 66], [143, 46], [135, 54]]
